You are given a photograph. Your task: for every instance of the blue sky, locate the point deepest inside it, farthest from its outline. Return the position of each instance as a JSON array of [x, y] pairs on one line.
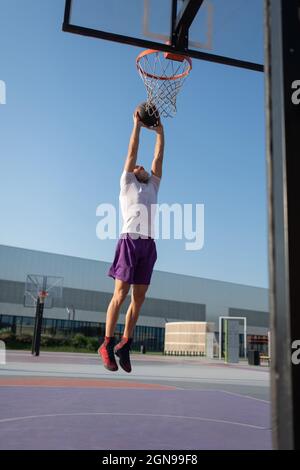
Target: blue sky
[[64, 136]]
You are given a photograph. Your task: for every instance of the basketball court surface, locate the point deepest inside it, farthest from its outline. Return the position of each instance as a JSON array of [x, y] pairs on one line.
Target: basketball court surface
[[69, 401]]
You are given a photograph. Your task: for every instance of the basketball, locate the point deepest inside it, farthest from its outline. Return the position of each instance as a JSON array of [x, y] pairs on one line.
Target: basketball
[[148, 114]]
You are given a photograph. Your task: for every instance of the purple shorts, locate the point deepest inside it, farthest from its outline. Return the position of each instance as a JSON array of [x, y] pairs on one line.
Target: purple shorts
[[134, 260]]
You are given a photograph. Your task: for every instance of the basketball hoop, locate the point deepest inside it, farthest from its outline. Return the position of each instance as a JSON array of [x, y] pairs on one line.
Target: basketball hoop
[[42, 295], [163, 74]]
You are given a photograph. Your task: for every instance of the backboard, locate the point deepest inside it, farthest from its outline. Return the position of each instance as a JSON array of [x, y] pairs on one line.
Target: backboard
[[229, 32], [36, 283]]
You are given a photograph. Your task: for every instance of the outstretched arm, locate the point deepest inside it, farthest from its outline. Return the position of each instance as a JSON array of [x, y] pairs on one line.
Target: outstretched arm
[[133, 144], [159, 151]]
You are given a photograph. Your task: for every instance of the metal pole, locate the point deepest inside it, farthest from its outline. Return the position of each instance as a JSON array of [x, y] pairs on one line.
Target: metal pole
[[220, 337], [40, 311], [226, 341], [35, 350], [283, 151], [245, 337], [33, 346]]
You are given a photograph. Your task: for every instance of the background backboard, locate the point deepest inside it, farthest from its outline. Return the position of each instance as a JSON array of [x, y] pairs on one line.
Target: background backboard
[[225, 31], [35, 283]]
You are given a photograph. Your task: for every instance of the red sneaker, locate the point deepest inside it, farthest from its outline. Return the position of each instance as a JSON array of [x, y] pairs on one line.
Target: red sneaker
[[106, 352], [122, 351]]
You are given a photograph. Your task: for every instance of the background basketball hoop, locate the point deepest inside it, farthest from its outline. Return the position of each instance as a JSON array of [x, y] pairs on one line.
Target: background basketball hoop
[[40, 291]]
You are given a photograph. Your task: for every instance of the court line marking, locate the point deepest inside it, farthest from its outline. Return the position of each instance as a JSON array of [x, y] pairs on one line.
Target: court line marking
[[218, 421], [246, 396], [224, 391]]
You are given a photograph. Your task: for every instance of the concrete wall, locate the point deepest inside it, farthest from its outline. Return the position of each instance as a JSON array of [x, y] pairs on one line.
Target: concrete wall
[[187, 337]]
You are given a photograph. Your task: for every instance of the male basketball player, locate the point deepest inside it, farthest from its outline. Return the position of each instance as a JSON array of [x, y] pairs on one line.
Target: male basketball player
[[135, 254]]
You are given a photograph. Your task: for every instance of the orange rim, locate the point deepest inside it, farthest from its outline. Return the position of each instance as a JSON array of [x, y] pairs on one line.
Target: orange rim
[[43, 294], [158, 77]]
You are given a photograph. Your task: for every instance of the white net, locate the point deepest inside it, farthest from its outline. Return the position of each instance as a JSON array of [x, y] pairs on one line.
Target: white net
[[163, 79]]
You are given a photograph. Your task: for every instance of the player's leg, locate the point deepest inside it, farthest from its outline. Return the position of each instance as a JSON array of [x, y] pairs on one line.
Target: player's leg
[[143, 269], [106, 350], [122, 349], [120, 293], [138, 295]]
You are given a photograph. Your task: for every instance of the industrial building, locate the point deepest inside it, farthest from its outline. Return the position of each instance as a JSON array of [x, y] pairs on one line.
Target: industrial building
[[87, 291]]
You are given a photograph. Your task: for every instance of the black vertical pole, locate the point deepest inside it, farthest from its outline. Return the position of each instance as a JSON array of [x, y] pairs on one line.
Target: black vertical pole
[[173, 22], [68, 11], [38, 326], [14, 325], [35, 325], [283, 156]]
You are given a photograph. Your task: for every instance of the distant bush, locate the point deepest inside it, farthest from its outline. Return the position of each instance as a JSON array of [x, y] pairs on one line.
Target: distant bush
[[23, 339], [47, 340], [7, 337], [93, 344], [78, 341]]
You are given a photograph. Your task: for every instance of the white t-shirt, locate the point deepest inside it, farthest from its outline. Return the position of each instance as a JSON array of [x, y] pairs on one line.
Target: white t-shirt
[[138, 204]]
